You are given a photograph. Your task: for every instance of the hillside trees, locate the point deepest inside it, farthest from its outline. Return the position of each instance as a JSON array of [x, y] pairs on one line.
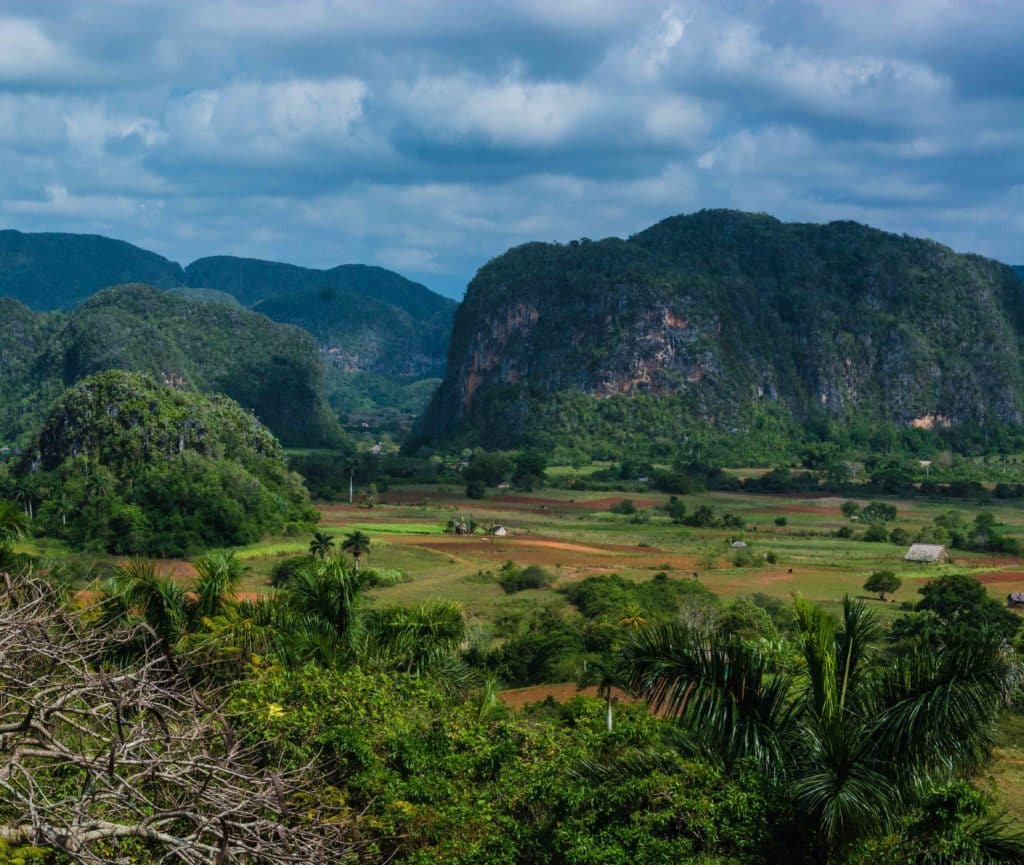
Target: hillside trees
[[133, 467]]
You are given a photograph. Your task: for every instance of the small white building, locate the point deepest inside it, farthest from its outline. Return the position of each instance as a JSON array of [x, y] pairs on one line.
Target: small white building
[[738, 545], [498, 531], [927, 554]]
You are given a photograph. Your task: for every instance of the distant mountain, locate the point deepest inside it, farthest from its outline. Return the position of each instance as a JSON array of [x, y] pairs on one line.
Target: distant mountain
[[58, 271], [271, 368], [367, 319], [729, 322], [379, 333]]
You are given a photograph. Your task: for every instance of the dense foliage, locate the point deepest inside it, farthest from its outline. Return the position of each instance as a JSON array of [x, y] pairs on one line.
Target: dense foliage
[[271, 369], [130, 466], [724, 325], [382, 337], [781, 733]]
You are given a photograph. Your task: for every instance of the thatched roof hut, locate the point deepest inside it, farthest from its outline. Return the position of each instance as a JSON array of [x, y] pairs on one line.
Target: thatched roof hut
[[927, 553]]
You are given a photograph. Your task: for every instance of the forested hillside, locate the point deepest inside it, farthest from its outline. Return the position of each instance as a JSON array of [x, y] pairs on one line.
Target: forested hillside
[[730, 322], [58, 271], [368, 322], [270, 368], [149, 468]]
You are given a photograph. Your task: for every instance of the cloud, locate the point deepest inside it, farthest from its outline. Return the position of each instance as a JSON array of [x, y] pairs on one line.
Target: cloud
[[267, 121], [26, 51], [506, 112], [429, 136]]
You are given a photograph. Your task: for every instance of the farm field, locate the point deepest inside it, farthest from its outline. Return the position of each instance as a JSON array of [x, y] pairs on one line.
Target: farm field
[[574, 535]]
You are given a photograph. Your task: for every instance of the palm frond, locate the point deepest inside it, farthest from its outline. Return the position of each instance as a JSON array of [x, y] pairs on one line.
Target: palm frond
[[722, 691]]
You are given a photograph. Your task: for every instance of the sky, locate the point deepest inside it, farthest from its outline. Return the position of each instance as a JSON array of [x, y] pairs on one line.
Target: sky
[[428, 137]]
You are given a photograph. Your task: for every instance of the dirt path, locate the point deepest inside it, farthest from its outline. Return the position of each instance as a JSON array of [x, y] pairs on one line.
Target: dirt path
[[517, 698]]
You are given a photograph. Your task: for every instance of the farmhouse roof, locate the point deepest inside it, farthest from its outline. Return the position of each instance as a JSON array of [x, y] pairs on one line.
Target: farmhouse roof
[[1016, 597], [738, 545], [926, 553]]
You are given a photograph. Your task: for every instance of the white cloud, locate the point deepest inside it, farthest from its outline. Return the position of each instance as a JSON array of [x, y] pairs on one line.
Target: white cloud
[[26, 51], [269, 120], [677, 121], [507, 112]]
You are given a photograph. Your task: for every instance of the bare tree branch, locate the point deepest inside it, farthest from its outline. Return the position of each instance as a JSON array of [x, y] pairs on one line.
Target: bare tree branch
[[96, 751]]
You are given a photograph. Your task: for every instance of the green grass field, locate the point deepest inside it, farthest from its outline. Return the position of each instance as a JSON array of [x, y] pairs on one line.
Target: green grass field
[[574, 535]]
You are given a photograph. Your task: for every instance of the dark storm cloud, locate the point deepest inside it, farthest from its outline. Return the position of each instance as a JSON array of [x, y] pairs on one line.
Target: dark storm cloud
[[428, 137]]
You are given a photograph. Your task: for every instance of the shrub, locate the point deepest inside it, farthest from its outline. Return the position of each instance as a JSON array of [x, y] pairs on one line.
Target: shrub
[[781, 521], [515, 579], [285, 569], [878, 512], [876, 533], [383, 577], [899, 536], [625, 507]]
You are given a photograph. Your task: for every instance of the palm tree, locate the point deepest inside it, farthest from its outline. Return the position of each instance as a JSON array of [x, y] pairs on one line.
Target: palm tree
[[217, 577], [321, 544], [323, 599], [356, 544], [723, 693], [417, 639], [25, 492], [350, 465], [13, 522], [607, 674], [855, 735], [136, 589]]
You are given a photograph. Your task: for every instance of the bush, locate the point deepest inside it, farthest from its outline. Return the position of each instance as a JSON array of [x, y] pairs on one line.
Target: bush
[[625, 507], [515, 579], [285, 569], [878, 512], [781, 521], [899, 536], [475, 490], [876, 533], [384, 577], [844, 532]]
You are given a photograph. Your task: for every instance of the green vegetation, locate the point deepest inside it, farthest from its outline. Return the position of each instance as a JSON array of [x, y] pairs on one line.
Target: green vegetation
[[125, 465], [271, 369], [328, 724], [883, 583], [703, 337]]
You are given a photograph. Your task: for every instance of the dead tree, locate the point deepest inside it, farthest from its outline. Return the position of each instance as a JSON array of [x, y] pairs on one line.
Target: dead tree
[[100, 755]]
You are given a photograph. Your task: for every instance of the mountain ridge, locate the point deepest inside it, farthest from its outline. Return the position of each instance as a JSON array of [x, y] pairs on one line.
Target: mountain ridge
[[725, 316], [407, 335], [271, 368]]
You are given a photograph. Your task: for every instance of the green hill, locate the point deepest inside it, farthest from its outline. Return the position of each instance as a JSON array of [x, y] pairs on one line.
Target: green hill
[[58, 271], [366, 319], [270, 368], [733, 324], [128, 465], [383, 338]]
